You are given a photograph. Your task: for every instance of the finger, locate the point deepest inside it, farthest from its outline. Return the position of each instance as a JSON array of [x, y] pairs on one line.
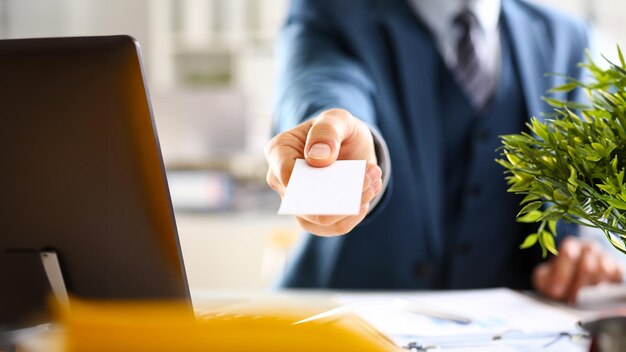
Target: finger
[[371, 193], [605, 268], [372, 186], [564, 268], [324, 138], [541, 278], [274, 183], [340, 228], [588, 271], [323, 220], [612, 268], [373, 173], [282, 151]]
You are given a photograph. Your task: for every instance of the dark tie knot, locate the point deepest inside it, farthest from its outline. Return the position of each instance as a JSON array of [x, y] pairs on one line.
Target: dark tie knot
[[465, 21]]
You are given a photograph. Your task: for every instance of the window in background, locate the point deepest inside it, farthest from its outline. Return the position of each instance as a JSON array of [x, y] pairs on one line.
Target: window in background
[[605, 17], [209, 66]]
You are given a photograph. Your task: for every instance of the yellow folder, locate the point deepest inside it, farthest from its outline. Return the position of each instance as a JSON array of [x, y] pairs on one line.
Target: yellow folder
[[260, 325]]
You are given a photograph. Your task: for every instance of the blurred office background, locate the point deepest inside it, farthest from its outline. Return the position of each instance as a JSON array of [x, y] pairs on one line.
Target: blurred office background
[[209, 66]]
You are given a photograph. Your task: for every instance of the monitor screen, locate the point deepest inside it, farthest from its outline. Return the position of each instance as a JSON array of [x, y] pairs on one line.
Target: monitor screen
[[81, 176]]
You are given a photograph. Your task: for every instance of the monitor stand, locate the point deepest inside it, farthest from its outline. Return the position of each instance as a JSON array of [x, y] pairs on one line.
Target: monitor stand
[[52, 268]]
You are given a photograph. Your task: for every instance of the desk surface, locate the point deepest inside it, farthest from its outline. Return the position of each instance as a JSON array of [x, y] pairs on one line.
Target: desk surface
[[368, 305]]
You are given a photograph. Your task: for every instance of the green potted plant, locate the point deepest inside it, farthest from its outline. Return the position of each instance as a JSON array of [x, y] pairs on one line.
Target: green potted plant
[[571, 167]]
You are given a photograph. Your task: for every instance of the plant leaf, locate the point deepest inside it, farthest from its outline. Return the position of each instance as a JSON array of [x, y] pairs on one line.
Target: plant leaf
[[552, 226], [530, 217], [548, 242], [530, 198], [529, 241], [564, 88], [530, 207]]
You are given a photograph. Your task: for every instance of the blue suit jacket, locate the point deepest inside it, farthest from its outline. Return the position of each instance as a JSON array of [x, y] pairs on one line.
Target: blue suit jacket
[[352, 54]]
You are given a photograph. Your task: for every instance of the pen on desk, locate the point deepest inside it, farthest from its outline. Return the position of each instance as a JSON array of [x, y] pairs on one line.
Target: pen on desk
[[417, 309]]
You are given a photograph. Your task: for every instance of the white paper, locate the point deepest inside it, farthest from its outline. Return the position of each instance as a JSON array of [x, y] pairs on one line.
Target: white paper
[[332, 190], [493, 311]]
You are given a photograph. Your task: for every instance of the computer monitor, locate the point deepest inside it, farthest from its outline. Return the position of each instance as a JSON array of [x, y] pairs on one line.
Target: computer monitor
[[83, 191]]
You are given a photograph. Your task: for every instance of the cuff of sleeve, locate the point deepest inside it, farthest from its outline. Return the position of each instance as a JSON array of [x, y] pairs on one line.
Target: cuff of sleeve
[[384, 162]]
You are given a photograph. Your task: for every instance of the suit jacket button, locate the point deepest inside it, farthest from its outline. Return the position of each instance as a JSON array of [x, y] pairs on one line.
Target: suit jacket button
[[422, 270]]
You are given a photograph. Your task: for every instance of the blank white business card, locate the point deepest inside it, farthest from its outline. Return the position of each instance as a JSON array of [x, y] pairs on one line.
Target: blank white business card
[[332, 190]]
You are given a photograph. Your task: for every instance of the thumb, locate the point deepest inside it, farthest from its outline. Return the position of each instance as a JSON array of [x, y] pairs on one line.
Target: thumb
[[324, 138]]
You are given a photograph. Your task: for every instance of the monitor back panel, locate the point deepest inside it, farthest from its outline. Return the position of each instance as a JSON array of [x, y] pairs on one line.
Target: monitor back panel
[[81, 174]]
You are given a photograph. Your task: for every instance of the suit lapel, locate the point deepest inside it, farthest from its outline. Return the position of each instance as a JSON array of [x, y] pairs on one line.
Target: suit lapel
[[527, 37], [416, 57]]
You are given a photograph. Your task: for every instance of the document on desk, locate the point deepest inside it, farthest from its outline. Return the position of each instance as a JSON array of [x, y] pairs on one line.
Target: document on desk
[[332, 190], [474, 320]]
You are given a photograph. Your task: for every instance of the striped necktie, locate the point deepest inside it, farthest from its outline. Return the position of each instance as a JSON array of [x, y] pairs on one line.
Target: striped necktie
[[470, 70]]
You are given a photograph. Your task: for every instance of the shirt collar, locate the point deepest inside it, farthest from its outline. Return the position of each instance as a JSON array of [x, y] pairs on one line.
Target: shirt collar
[[438, 15]]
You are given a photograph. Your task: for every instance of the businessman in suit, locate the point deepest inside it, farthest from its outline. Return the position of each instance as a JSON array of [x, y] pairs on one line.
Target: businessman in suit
[[422, 89]]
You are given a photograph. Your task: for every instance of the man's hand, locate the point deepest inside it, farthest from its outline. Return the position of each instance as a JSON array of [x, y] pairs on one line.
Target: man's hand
[[334, 134], [577, 265]]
